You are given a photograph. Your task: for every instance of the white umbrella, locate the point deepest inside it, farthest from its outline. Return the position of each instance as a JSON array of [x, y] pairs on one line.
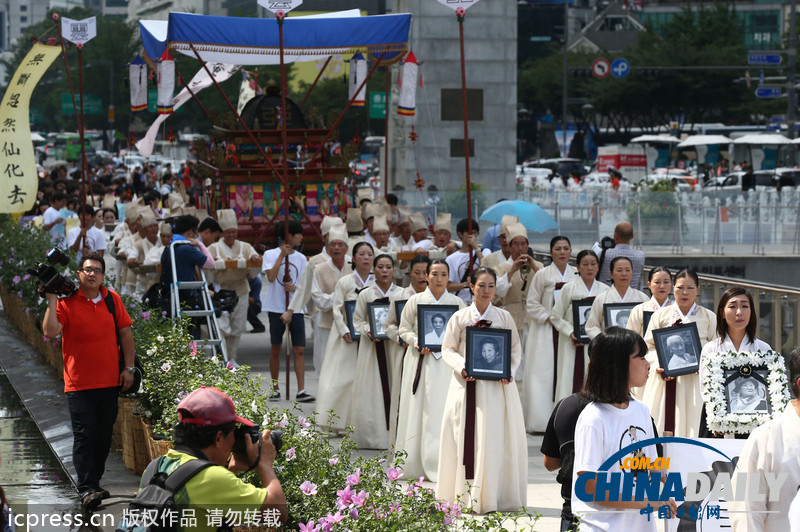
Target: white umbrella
[[667, 139], [703, 140], [35, 137], [796, 141], [764, 139]]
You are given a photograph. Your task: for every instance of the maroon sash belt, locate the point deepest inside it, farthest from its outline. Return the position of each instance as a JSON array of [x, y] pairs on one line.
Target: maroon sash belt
[[577, 372], [669, 407], [469, 421], [558, 286], [417, 374], [383, 371]]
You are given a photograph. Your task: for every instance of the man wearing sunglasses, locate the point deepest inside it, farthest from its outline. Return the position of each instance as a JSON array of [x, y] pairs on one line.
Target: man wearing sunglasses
[[92, 376]]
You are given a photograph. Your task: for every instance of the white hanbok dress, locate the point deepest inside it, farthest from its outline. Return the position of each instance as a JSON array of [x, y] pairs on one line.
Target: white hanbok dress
[[369, 402], [540, 366], [561, 317], [419, 422], [335, 390], [636, 319], [500, 479], [391, 328], [688, 402], [596, 322]]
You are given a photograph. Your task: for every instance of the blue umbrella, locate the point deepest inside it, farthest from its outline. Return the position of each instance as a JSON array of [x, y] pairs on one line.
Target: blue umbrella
[[533, 217]]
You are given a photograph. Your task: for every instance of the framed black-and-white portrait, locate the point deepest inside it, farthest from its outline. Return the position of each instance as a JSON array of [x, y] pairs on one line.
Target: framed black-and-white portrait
[[349, 309], [617, 314], [746, 390], [399, 305], [378, 312], [646, 315], [488, 353], [678, 348], [431, 322], [581, 309]]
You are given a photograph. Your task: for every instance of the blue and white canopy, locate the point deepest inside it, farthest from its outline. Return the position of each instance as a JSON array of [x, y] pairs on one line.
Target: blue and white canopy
[[255, 41]]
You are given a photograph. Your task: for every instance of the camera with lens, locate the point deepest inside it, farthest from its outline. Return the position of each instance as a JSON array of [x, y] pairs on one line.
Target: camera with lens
[[254, 433], [607, 242], [50, 279]]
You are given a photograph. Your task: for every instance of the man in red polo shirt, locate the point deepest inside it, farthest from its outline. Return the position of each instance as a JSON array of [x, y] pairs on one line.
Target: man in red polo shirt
[[92, 378]]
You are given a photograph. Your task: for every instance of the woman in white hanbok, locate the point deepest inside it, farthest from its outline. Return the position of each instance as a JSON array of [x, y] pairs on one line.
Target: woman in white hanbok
[[498, 451], [737, 324], [542, 342], [570, 378], [659, 282], [339, 364], [621, 271], [417, 272], [377, 363], [422, 399], [684, 413]]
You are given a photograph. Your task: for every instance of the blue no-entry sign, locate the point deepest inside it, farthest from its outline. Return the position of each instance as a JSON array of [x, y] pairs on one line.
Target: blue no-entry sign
[[764, 59], [768, 92], [620, 68]]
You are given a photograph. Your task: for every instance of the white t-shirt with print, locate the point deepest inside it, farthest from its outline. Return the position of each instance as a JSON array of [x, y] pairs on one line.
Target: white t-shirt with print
[[275, 300], [95, 240]]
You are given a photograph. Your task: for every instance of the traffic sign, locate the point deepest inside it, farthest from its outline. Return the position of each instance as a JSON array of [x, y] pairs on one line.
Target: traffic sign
[[768, 92], [92, 104], [764, 59], [620, 68], [600, 68], [377, 105]]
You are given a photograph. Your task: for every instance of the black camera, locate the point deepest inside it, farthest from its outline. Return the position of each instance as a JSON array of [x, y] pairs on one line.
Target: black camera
[[607, 242], [254, 433], [50, 279]]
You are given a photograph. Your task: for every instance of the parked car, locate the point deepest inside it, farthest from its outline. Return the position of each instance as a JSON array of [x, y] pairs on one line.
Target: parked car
[[561, 166]]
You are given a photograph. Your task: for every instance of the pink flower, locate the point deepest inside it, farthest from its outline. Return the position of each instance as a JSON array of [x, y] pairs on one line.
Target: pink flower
[[230, 366], [291, 454], [359, 499], [193, 347], [308, 527], [394, 507], [308, 488], [146, 315], [354, 479], [345, 498], [20, 294], [333, 461], [335, 518], [354, 513], [303, 422], [165, 367], [26, 277], [16, 279], [394, 473]]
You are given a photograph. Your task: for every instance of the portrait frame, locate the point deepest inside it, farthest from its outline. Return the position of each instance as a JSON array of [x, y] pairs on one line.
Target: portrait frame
[[646, 315], [610, 311], [735, 378], [579, 307], [688, 334], [378, 312], [399, 305], [476, 365], [425, 314], [721, 369], [349, 310]]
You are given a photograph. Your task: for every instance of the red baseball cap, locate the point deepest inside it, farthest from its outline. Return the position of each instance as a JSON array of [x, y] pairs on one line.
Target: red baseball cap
[[209, 407]]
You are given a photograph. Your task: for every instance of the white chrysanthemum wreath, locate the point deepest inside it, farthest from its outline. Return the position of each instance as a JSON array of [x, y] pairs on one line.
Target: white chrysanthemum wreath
[[714, 370]]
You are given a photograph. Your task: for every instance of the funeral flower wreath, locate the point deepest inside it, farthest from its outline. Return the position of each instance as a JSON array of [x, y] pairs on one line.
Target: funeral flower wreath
[[715, 366]]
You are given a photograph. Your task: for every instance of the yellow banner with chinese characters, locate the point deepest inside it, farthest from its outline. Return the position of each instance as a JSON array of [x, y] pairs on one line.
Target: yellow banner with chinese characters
[[18, 177]]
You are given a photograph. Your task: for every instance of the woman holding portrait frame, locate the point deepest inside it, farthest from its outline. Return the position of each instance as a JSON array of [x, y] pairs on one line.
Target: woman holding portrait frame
[[737, 324], [675, 402], [659, 282], [335, 390], [483, 438], [569, 380], [621, 271], [425, 381], [377, 363]]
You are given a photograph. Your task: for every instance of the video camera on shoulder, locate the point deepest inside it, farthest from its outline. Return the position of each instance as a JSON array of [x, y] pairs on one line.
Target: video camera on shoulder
[[50, 279]]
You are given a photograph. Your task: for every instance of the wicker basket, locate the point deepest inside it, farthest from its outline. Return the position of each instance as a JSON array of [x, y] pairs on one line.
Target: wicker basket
[[124, 418], [159, 447], [141, 443]]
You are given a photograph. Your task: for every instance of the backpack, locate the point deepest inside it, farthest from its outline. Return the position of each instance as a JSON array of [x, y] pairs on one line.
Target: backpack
[[153, 509]]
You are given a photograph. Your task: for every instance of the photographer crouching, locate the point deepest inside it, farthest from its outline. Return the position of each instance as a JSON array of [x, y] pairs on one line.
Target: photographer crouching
[[93, 378], [207, 429]]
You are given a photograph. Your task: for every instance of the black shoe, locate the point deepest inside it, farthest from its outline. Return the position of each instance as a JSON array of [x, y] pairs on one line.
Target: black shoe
[[104, 494], [304, 397], [91, 500], [275, 396], [259, 329]]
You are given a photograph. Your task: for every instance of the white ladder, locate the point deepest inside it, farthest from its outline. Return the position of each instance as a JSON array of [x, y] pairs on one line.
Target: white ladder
[[206, 309]]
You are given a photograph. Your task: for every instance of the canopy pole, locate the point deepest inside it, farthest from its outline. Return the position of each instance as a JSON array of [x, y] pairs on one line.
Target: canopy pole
[[81, 129], [71, 91], [460, 14], [386, 136], [285, 170], [319, 75]]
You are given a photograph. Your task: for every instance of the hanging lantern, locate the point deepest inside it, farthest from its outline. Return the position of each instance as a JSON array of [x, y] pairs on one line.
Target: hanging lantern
[[137, 78], [358, 73], [166, 83], [406, 104]]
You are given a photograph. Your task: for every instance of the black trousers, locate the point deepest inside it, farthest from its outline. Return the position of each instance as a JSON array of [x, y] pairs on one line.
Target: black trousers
[[253, 310], [93, 413]]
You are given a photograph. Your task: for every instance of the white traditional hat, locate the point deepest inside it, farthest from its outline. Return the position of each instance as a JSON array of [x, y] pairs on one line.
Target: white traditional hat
[[403, 213], [372, 210], [148, 217], [516, 229], [443, 222], [504, 223], [354, 223], [380, 224], [338, 232], [327, 223], [200, 214], [165, 228], [417, 222], [227, 219]]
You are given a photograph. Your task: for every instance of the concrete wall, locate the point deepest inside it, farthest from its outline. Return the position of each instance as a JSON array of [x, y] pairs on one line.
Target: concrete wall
[[490, 47]]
